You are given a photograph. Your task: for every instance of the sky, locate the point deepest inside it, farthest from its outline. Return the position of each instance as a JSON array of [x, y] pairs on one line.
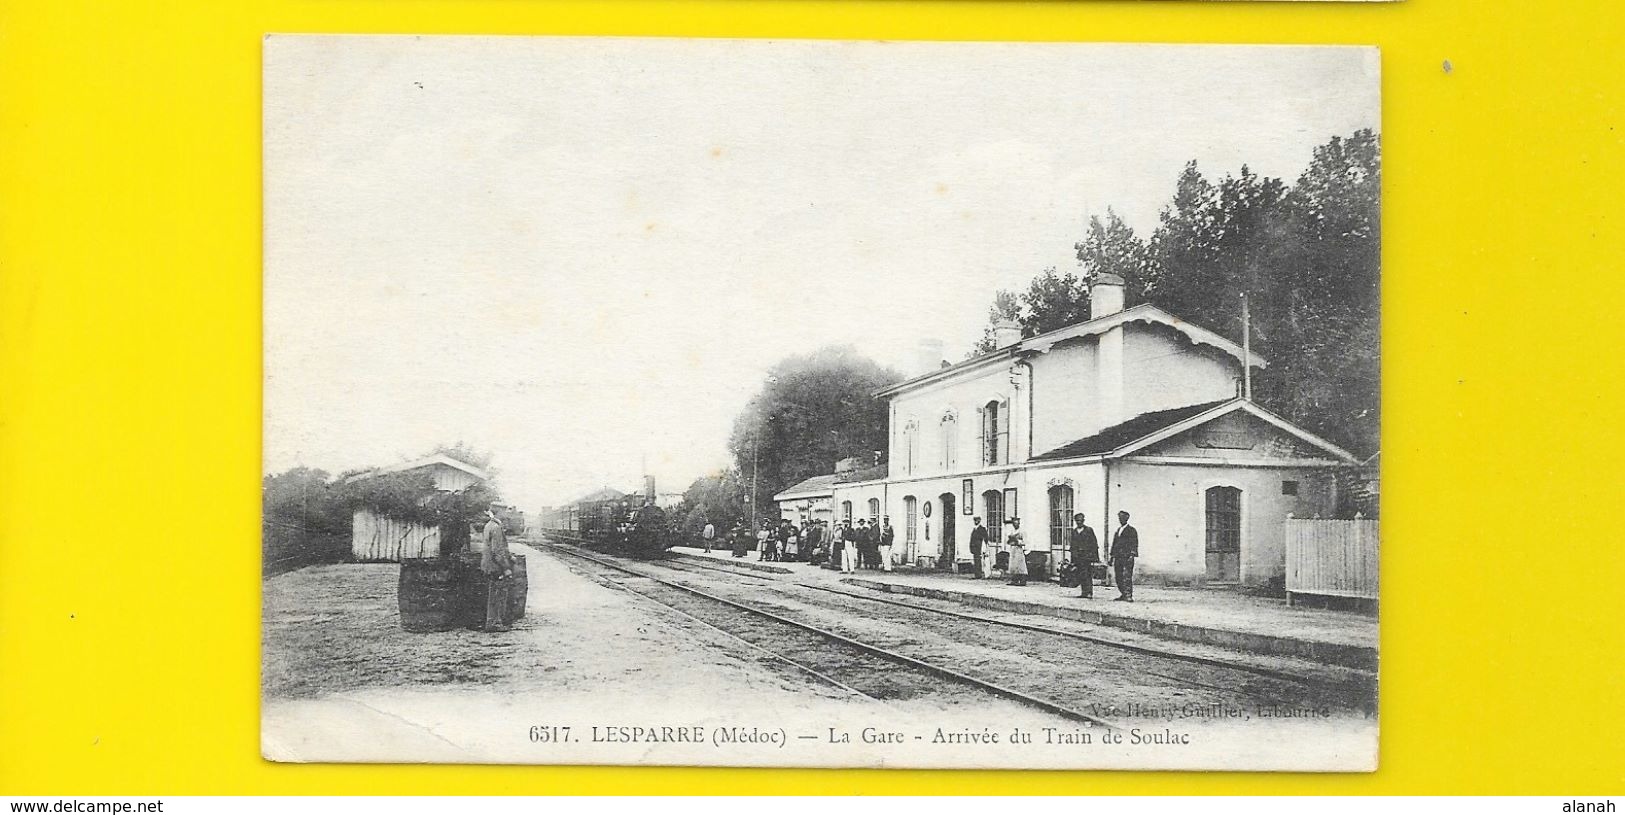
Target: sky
[[583, 255]]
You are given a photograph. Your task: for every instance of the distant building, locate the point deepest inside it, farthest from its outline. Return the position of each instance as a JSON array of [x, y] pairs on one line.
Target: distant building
[[449, 474], [813, 499], [1134, 409]]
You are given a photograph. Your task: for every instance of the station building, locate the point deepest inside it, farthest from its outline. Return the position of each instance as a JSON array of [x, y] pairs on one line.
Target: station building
[[1133, 409]]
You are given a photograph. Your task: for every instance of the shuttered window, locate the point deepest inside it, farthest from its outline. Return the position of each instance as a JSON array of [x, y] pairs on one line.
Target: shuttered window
[[995, 441]]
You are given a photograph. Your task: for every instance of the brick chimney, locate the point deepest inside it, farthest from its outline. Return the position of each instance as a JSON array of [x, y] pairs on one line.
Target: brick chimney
[[1105, 295], [1106, 299], [927, 356], [1006, 333]]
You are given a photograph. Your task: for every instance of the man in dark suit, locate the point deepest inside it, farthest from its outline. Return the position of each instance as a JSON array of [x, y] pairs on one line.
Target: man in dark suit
[[871, 545], [1085, 553], [1125, 548], [978, 541]]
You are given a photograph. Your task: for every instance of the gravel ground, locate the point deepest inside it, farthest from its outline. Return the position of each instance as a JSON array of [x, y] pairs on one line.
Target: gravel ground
[[342, 682]]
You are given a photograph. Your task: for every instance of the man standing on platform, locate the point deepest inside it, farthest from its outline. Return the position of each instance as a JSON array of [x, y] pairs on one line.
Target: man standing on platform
[[497, 565], [1085, 553], [709, 535], [871, 545], [978, 543], [887, 536], [814, 541], [1125, 548], [849, 548]]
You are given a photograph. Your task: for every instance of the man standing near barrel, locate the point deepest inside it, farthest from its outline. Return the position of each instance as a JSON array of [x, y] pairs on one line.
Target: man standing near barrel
[[497, 564]]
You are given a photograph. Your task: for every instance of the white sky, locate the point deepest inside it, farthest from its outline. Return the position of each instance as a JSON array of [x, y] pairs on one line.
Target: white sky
[[581, 254]]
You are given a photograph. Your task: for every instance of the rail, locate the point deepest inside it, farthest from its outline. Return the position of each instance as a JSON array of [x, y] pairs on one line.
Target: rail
[[991, 687], [1356, 688]]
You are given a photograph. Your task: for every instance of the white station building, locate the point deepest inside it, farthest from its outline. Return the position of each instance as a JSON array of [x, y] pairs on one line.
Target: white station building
[[1134, 410]]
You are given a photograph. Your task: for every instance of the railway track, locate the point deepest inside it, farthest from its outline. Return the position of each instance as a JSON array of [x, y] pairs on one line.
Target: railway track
[[853, 665], [1183, 667], [1355, 686]]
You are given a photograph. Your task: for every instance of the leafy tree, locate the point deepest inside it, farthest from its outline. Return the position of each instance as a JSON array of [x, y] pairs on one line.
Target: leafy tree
[[814, 410], [1305, 259], [1111, 247], [1055, 300], [304, 498], [719, 498], [1006, 306], [1052, 301]]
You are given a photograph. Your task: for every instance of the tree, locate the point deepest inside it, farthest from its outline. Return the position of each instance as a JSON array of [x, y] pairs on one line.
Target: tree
[[304, 498], [814, 410], [1306, 258], [1005, 306], [1324, 316], [719, 498], [1052, 301], [1111, 247]]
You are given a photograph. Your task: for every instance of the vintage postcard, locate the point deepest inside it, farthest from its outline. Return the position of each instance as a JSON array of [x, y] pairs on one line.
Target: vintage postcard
[[825, 404]]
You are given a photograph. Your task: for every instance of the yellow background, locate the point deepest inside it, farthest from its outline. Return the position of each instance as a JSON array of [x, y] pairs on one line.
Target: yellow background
[[130, 382]]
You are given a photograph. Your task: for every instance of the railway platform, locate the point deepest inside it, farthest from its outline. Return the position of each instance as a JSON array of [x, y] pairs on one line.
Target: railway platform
[[1217, 617]]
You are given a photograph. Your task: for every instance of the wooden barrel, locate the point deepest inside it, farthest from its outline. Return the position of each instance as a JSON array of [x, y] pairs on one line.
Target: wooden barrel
[[471, 590], [517, 592], [428, 594], [474, 585]]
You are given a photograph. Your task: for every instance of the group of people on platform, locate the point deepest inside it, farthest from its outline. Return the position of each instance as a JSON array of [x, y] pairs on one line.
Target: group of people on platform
[[1083, 548], [867, 544], [848, 546]]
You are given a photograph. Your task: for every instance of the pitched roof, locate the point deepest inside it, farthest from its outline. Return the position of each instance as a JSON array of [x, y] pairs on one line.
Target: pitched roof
[[1147, 428], [825, 484], [1124, 433], [605, 494], [866, 474], [817, 485], [418, 464], [1144, 312]]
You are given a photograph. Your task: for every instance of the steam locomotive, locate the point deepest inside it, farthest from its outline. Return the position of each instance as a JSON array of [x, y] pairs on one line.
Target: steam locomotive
[[613, 521]]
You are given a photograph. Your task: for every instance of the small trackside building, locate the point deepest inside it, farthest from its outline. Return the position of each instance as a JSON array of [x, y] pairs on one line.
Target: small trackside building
[[374, 538], [1133, 410]]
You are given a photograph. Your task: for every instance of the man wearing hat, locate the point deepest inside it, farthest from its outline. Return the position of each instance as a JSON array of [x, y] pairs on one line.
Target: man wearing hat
[[497, 565], [1125, 548], [1018, 552], [1085, 552]]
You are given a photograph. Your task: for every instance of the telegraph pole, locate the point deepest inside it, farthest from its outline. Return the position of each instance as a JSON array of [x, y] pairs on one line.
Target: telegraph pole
[[1246, 350], [755, 434]]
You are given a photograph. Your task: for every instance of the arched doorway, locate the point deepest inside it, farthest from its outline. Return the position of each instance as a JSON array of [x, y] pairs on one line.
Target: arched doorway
[[948, 552], [1223, 509]]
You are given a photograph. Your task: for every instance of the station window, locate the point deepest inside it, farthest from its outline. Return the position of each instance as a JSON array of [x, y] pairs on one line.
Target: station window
[[1289, 488]]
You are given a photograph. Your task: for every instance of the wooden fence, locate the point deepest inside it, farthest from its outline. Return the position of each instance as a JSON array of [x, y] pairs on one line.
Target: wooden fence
[[1332, 558], [377, 539]]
